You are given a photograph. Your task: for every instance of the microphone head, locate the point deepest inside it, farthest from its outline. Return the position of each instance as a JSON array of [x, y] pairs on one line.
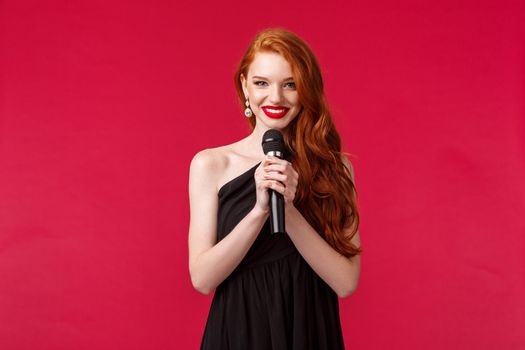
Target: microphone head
[[273, 142]]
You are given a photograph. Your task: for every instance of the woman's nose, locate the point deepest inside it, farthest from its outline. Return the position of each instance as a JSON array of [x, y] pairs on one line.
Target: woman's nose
[[276, 95]]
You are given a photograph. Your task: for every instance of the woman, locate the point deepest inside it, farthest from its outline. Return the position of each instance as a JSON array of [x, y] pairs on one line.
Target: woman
[[275, 291]]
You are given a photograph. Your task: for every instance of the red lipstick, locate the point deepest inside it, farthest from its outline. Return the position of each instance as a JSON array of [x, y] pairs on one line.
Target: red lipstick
[[275, 112]]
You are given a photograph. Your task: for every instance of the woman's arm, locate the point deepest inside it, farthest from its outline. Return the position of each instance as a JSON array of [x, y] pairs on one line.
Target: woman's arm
[[339, 272], [210, 262]]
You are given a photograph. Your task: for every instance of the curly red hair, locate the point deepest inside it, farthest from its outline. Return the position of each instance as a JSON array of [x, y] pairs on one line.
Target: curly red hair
[[326, 194]]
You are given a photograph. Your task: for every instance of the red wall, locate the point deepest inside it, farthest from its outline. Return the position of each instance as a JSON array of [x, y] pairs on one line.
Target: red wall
[[103, 105]]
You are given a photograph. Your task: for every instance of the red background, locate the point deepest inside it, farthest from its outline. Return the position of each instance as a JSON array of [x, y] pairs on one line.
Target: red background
[[103, 105]]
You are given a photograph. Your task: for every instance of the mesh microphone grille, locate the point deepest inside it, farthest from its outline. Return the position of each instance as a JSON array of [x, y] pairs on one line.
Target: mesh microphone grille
[[272, 141]]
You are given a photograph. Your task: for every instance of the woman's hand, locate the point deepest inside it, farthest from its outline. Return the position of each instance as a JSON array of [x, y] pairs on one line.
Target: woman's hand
[[276, 174]]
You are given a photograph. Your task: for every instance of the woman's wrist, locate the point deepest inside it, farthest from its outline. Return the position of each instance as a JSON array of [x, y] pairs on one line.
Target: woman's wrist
[[259, 212]]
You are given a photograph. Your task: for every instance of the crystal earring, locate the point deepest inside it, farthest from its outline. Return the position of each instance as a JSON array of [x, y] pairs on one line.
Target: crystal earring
[[248, 112]]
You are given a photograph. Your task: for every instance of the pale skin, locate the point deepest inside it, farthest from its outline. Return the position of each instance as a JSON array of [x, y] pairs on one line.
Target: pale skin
[[211, 262]]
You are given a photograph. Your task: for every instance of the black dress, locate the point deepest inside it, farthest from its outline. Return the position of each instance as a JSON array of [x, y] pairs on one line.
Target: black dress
[[273, 299]]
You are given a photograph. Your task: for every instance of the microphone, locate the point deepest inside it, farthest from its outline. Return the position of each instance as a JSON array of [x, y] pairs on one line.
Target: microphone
[[273, 145]]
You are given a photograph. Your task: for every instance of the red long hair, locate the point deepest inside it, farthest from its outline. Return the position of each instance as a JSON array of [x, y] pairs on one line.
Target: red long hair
[[326, 194]]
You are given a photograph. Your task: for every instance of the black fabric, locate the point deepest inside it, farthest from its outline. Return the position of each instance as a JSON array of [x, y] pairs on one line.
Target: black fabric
[[273, 300]]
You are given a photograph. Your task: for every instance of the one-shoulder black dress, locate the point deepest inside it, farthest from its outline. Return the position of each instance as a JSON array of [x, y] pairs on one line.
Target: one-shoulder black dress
[[273, 299]]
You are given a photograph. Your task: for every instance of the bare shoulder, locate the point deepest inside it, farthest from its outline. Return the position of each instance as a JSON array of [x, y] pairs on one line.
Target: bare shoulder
[[206, 166], [214, 167], [209, 160], [213, 164]]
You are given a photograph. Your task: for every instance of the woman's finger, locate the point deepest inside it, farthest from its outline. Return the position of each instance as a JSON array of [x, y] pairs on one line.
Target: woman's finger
[[276, 176], [274, 185], [276, 160]]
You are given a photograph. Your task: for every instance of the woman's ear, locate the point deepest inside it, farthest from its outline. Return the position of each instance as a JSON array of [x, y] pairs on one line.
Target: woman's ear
[[243, 84]]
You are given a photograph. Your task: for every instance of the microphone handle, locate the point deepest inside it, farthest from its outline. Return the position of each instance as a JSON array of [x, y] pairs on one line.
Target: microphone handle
[[276, 212], [276, 204]]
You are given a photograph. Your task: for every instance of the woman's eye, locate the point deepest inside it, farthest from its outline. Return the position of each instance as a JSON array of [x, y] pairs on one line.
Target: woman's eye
[[262, 83]]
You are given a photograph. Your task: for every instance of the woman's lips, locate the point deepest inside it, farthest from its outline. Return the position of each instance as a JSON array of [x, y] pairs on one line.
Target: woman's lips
[[275, 112]]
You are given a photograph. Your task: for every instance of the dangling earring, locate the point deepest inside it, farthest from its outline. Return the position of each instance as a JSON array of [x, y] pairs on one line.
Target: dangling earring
[[248, 112]]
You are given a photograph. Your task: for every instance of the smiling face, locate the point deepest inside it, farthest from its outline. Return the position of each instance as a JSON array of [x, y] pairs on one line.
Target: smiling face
[[270, 88]]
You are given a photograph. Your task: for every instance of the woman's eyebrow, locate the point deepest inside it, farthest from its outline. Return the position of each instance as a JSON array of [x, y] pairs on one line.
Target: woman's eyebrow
[[258, 77]]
